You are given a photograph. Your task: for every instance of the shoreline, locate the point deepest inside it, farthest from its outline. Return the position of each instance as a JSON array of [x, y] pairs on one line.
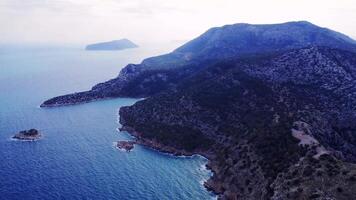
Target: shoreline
[[209, 184], [25, 140]]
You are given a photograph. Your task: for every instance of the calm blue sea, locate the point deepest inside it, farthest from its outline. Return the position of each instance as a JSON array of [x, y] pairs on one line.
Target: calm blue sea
[[76, 158]]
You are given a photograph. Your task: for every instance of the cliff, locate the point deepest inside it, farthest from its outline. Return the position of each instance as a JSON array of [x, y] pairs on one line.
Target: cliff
[[273, 126]]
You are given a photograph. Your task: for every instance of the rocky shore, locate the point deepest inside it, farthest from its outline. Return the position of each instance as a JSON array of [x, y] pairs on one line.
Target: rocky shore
[[211, 184], [126, 145], [302, 180], [30, 135]]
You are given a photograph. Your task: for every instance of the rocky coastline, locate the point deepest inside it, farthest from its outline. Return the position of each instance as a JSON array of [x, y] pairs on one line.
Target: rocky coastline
[[287, 185], [126, 145], [211, 184]]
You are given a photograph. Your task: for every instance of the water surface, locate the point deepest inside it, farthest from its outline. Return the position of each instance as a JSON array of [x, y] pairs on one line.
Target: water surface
[[76, 158]]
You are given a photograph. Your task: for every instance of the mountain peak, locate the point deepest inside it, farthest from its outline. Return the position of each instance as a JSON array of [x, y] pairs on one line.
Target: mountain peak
[[243, 38], [274, 24]]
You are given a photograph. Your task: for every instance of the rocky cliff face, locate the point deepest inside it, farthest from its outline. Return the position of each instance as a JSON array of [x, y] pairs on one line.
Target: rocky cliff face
[[274, 127], [159, 73]]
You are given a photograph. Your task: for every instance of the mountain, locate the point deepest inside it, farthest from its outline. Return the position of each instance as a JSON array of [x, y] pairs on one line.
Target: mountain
[[271, 106], [273, 126], [164, 72], [232, 40], [112, 45]]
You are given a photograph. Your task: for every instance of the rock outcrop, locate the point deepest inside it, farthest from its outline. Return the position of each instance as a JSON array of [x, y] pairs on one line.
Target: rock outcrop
[[126, 145], [30, 135]]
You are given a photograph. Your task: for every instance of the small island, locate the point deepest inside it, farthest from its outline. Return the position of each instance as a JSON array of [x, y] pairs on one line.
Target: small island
[[126, 145], [30, 135], [114, 45]]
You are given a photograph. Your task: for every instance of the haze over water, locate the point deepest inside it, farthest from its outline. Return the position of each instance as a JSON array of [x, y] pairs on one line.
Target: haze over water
[[76, 158]]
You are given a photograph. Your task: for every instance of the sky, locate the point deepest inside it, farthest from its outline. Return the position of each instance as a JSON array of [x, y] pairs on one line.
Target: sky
[[154, 21]]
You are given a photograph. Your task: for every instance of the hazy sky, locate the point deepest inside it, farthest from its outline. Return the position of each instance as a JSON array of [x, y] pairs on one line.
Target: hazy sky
[[84, 21]]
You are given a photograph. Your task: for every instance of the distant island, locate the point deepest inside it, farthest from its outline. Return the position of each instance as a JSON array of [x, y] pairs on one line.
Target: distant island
[[114, 45], [31, 134]]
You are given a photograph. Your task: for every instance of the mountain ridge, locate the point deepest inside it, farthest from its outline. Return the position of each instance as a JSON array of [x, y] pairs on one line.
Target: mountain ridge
[[215, 44]]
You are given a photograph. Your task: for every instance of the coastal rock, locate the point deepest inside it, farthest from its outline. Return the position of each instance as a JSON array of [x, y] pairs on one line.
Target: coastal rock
[[126, 145], [31, 135]]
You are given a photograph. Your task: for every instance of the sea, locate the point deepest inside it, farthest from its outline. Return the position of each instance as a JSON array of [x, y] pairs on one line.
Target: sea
[[76, 158]]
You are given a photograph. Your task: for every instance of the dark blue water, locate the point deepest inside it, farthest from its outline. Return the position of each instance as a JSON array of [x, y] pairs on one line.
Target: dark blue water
[[76, 158]]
